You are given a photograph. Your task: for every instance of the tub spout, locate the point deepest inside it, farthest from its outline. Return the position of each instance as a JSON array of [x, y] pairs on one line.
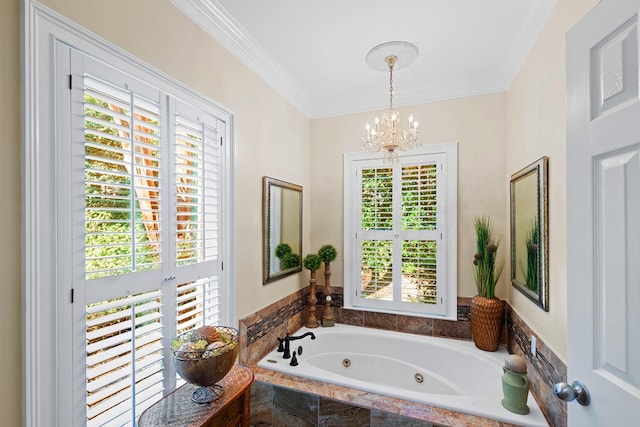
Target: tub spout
[[313, 337], [284, 346]]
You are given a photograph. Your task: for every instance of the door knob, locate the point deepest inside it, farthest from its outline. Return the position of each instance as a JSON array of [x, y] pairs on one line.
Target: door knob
[[574, 391]]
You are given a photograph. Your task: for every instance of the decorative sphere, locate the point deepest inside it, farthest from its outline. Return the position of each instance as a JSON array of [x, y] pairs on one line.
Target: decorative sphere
[[515, 364]]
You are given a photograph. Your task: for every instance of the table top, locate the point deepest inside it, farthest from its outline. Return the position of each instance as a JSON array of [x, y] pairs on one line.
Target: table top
[[177, 408]]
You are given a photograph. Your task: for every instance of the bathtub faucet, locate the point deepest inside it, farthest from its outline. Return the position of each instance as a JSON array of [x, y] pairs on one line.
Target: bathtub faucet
[[284, 346]]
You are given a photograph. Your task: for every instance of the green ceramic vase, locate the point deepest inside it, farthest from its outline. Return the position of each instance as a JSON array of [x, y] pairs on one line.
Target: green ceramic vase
[[516, 390]]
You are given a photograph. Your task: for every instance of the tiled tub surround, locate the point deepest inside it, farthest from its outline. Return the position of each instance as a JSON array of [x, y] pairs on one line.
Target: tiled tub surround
[[544, 369], [453, 374], [258, 333], [295, 401]]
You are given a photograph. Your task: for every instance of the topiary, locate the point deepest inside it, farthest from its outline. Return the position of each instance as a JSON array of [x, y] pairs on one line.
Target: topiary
[[327, 253], [290, 260], [283, 249], [312, 262]]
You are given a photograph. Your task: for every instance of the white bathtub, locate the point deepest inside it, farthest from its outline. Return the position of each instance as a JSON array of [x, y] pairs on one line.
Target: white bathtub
[[441, 372]]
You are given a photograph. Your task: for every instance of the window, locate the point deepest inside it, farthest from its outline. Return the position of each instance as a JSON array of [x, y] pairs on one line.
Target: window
[[400, 232], [146, 177]]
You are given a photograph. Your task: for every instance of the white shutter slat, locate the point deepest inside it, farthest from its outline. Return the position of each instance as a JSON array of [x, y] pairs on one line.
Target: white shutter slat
[[196, 184], [419, 272], [419, 197], [119, 332], [377, 199], [122, 170], [113, 342]]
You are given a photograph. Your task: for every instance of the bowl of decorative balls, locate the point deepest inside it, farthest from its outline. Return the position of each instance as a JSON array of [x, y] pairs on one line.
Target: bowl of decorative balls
[[203, 357]]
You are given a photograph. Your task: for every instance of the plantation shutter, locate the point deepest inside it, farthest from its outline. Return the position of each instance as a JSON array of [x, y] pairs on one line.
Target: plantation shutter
[[399, 235], [124, 234], [197, 193], [146, 171]]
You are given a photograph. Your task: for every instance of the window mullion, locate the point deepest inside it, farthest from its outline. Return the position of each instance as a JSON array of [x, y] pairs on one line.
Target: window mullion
[[398, 233], [168, 253]]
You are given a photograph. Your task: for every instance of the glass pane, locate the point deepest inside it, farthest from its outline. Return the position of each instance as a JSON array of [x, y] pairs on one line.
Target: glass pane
[[122, 182], [377, 199], [196, 192], [419, 271], [376, 272], [198, 304], [124, 370], [419, 197]]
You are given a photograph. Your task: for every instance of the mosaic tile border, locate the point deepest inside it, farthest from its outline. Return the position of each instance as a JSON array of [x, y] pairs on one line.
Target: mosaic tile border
[[544, 369]]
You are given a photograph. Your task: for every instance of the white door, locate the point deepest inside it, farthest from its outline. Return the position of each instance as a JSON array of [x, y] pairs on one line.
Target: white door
[[603, 214]]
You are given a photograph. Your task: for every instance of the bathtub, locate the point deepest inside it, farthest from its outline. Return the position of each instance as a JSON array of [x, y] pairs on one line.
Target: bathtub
[[446, 373]]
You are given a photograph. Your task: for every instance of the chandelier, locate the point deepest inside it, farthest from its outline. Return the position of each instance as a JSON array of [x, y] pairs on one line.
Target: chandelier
[[386, 133]]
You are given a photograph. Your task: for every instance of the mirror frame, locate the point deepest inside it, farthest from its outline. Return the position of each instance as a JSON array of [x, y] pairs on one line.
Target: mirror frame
[[267, 184], [539, 169]]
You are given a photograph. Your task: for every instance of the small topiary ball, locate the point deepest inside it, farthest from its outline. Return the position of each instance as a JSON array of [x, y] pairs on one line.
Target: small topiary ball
[[312, 262], [283, 249], [327, 253], [290, 260]]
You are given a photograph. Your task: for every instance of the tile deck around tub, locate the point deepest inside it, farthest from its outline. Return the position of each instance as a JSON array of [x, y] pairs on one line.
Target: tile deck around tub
[[359, 398]]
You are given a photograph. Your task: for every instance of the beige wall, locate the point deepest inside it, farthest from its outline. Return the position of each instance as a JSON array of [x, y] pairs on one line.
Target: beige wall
[[10, 303], [476, 123], [536, 127]]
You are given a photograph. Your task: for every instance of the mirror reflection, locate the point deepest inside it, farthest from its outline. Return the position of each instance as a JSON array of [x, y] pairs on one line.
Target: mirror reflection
[[282, 228], [529, 237]]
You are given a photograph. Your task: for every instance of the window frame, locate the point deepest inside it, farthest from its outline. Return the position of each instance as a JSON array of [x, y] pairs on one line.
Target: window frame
[[448, 153], [47, 293]]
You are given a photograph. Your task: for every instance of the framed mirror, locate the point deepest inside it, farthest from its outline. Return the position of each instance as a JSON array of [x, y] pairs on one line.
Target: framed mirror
[[281, 229], [529, 232]]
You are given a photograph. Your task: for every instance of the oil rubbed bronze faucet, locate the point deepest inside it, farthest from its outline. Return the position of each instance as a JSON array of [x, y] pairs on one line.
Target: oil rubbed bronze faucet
[[283, 345]]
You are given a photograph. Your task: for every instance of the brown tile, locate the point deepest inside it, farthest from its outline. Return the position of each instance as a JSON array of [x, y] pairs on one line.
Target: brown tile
[[334, 414], [380, 320], [292, 408], [543, 370], [452, 329], [385, 419], [351, 317], [261, 404], [415, 325]]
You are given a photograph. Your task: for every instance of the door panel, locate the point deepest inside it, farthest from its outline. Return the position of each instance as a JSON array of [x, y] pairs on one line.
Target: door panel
[[603, 214]]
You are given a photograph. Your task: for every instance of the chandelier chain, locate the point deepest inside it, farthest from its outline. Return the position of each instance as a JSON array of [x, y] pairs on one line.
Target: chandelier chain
[[390, 87]]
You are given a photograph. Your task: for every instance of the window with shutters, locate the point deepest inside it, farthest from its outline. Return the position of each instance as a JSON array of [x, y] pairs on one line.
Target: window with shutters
[[147, 172], [400, 232]]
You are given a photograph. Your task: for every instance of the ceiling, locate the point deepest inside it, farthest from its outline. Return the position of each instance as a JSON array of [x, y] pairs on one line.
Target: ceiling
[[313, 52]]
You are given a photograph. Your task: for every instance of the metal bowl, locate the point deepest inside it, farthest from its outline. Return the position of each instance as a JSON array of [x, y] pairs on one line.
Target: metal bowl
[[206, 367]]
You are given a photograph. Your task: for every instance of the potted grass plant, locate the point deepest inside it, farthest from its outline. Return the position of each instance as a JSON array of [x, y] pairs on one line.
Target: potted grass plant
[[487, 311]]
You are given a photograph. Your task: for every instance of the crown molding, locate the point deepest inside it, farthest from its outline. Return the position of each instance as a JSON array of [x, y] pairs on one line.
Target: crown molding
[[219, 24], [522, 44], [211, 16]]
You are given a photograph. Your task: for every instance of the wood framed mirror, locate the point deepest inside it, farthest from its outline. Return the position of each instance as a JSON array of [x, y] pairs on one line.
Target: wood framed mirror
[[529, 232], [281, 229]]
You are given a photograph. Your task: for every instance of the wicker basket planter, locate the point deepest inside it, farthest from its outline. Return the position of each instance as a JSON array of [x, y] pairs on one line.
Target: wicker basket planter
[[487, 316]]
